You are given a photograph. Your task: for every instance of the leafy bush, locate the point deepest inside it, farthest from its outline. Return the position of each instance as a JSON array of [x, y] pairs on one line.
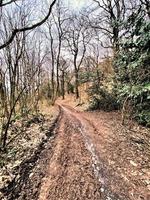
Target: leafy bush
[[132, 65], [100, 98], [143, 118]]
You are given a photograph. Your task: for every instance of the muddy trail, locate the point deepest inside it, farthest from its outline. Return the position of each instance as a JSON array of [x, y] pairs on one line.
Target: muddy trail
[[78, 164], [70, 174]]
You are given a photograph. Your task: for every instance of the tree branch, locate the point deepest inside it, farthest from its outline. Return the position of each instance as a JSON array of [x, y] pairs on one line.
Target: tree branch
[[15, 31], [7, 3]]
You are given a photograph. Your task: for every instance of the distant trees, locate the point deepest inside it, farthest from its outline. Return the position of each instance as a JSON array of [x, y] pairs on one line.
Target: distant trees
[[69, 37], [60, 20], [78, 37], [55, 33]]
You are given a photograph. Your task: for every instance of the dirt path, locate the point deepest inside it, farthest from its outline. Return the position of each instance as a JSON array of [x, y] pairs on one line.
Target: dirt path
[[85, 165], [70, 174], [89, 155]]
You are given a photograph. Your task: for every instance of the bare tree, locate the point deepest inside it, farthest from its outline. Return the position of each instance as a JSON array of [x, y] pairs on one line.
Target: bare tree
[[111, 14], [63, 67], [78, 39], [60, 19], [52, 50]]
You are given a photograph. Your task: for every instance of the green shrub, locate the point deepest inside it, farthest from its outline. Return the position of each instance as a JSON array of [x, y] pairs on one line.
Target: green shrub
[[144, 118], [101, 99], [132, 66]]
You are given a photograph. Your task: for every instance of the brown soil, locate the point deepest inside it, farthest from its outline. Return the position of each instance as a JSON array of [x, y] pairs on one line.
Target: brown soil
[[96, 158], [92, 156]]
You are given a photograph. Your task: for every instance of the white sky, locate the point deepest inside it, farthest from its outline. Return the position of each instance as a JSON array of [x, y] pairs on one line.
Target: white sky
[[76, 4]]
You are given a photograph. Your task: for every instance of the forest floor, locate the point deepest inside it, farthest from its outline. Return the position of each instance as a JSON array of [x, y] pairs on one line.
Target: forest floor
[[89, 155]]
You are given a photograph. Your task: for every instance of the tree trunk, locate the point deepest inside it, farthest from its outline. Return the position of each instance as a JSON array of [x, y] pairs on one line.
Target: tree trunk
[[77, 84], [63, 85]]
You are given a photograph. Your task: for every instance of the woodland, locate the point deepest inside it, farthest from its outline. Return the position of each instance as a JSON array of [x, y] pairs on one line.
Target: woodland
[[97, 54]]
